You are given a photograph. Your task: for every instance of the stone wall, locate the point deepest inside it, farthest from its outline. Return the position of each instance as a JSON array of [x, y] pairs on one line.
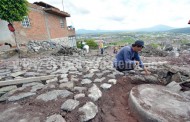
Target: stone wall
[[5, 34]]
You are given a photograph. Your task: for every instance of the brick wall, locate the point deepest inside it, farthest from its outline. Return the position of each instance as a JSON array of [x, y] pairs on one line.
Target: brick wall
[[44, 26], [55, 27]]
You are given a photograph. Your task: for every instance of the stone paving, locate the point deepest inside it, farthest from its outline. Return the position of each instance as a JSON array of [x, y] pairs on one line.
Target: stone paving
[[74, 77], [77, 76]]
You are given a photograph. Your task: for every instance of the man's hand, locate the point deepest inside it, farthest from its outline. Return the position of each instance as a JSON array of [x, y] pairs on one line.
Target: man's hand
[[137, 63], [146, 71]]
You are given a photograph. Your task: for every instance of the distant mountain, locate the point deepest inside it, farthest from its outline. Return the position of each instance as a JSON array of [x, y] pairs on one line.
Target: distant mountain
[[157, 28], [84, 31], [181, 30]]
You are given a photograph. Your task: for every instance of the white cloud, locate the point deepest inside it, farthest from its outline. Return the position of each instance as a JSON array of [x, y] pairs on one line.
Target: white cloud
[[124, 14]]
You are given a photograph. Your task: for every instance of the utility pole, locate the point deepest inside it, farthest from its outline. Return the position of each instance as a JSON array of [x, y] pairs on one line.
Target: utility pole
[[62, 5]]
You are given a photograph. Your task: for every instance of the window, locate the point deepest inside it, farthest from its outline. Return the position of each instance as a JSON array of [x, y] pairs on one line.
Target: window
[[26, 22], [62, 23]]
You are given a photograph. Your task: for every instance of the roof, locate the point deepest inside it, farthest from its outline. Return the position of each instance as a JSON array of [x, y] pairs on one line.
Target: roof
[[44, 5], [56, 12], [51, 9]]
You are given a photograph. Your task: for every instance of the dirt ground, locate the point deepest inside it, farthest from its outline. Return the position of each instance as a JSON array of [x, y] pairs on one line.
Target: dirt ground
[[113, 106]]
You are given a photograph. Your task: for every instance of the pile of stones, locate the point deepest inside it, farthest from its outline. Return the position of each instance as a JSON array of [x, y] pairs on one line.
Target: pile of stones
[[151, 51], [67, 51], [40, 46]]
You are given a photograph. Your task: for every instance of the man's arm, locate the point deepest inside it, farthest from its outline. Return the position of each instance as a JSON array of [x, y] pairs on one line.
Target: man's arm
[[137, 58], [127, 57], [129, 63]]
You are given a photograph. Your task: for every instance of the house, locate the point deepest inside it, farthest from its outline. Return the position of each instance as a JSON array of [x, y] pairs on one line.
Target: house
[[43, 23]]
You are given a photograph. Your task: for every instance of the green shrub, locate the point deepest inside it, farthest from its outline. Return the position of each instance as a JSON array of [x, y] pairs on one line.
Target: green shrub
[[13, 10], [91, 43]]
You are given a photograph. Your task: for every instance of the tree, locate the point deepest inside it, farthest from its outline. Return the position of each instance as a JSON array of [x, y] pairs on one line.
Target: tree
[[91, 43], [13, 10]]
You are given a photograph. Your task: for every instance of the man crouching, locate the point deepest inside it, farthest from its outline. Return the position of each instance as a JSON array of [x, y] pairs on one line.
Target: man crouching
[[128, 57]]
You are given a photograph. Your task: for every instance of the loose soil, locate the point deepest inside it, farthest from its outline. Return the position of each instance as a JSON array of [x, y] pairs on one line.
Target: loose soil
[[113, 106]]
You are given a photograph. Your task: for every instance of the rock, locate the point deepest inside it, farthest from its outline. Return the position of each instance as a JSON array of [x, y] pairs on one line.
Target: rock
[[37, 87], [63, 76], [99, 79], [69, 105], [89, 111], [174, 86], [52, 95], [177, 78], [20, 96], [65, 80], [88, 75], [162, 73], [150, 79], [93, 70], [32, 84], [7, 88], [156, 103], [17, 73], [86, 81], [137, 79], [106, 86], [95, 93], [80, 89], [168, 47], [5, 96], [55, 118], [77, 96], [111, 75], [114, 81], [185, 86], [31, 74], [99, 74], [67, 85], [52, 80]]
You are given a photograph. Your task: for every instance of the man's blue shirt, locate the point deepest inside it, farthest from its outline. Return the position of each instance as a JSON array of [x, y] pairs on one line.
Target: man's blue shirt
[[127, 55]]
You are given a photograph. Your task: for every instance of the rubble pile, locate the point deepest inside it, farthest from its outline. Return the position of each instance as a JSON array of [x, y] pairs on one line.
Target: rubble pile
[[40, 46], [151, 51], [185, 47], [165, 75], [67, 51]]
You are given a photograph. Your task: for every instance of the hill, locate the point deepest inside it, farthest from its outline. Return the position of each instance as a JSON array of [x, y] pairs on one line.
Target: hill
[[181, 30], [157, 28]]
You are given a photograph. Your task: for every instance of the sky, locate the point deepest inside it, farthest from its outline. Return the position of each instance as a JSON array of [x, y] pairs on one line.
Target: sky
[[123, 14]]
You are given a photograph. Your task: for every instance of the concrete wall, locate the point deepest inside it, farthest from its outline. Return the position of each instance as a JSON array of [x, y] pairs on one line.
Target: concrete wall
[[5, 34], [65, 41]]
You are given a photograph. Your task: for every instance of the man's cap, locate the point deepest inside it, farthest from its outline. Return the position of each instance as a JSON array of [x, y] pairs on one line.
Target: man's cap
[[139, 43]]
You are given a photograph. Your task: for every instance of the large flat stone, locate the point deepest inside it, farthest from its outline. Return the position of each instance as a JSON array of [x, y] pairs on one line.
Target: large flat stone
[[155, 103], [52, 95]]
